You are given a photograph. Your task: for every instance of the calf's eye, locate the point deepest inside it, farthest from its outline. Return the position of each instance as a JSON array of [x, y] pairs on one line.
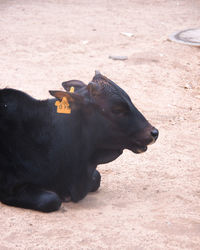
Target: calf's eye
[[121, 109]]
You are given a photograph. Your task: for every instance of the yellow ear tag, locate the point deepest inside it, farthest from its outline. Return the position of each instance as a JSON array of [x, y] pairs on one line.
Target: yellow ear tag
[[63, 106], [71, 90]]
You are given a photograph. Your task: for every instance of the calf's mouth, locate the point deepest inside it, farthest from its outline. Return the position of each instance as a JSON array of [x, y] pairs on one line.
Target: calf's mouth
[[139, 150], [149, 138]]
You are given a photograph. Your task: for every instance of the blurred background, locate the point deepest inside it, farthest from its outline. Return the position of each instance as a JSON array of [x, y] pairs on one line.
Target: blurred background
[[147, 201]]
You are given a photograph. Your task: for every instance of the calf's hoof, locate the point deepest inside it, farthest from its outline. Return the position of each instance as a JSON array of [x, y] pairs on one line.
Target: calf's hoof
[[96, 180], [48, 202]]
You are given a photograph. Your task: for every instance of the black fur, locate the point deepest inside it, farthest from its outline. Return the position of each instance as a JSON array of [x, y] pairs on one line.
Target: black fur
[[46, 157]]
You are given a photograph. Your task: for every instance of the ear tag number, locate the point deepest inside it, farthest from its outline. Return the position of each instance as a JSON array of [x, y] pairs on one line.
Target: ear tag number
[[63, 106]]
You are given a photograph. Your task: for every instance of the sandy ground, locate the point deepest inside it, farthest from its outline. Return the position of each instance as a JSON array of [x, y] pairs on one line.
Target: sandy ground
[[147, 201]]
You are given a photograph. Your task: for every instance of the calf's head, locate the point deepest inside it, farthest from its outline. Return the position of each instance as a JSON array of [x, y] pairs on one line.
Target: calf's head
[[124, 127]]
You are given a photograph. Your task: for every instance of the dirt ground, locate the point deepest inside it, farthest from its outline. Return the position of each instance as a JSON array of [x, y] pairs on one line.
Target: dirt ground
[[146, 201]]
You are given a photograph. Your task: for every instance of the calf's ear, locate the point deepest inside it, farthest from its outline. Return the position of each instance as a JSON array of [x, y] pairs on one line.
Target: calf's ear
[[71, 97], [73, 83], [94, 89]]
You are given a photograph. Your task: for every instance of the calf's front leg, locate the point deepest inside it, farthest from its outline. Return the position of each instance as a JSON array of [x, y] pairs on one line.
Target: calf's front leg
[[85, 182], [95, 181]]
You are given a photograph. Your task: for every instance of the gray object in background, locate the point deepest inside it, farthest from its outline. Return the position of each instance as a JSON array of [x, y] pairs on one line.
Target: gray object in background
[[189, 37]]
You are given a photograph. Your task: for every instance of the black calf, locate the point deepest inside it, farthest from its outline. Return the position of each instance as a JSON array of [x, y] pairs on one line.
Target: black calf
[[50, 149]]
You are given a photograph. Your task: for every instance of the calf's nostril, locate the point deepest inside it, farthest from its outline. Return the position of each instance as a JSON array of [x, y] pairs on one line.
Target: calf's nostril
[[154, 133]]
